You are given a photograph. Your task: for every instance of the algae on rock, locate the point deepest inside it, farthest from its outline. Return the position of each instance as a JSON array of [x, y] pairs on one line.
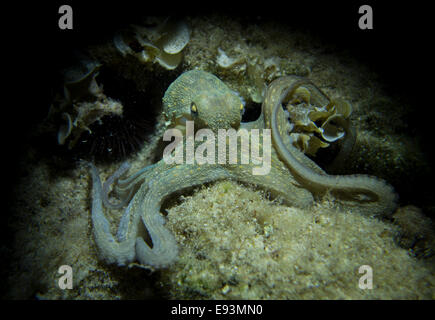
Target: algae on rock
[[236, 244]]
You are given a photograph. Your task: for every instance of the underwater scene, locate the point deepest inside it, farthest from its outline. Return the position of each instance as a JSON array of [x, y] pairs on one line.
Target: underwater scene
[[213, 156]]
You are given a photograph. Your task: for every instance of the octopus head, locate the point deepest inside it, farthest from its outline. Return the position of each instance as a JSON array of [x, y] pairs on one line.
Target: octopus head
[[216, 111]]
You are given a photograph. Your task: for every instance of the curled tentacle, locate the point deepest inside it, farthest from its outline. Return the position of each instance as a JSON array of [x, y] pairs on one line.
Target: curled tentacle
[[110, 250], [105, 192], [372, 193], [164, 248]]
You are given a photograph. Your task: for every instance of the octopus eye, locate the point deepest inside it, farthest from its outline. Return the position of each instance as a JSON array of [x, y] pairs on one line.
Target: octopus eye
[[193, 109], [242, 108]]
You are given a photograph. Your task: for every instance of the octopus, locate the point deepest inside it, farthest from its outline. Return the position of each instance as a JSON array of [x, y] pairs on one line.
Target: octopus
[[198, 96]]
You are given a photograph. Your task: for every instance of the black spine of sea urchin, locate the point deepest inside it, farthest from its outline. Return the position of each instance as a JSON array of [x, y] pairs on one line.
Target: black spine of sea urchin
[[116, 137]]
